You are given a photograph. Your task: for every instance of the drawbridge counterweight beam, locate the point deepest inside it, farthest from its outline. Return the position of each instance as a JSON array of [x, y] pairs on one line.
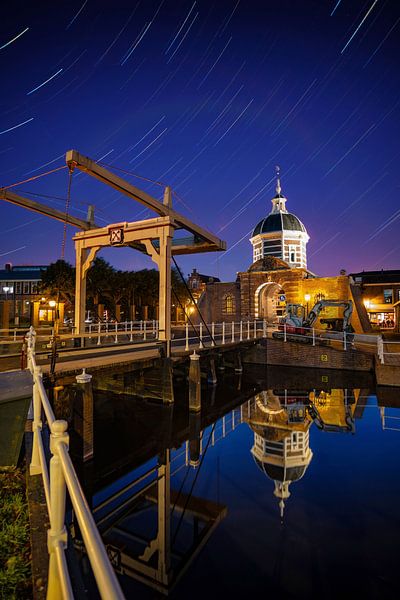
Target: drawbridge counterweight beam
[[42, 209], [76, 160]]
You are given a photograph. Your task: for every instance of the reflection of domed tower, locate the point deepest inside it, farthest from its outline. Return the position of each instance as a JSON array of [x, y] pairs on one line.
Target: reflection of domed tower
[[280, 234], [281, 447]]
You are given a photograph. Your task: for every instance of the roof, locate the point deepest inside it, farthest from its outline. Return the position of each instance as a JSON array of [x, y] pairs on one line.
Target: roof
[[206, 278], [278, 222], [268, 263], [389, 276], [278, 473], [22, 273]]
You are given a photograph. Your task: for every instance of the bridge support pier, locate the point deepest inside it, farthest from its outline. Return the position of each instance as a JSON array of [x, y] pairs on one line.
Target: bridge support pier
[[221, 362], [86, 411]]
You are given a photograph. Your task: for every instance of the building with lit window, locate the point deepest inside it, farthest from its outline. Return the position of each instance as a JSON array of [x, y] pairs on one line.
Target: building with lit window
[[279, 276], [380, 291], [21, 301]]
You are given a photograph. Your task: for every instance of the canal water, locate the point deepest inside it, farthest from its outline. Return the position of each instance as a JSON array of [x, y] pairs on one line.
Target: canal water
[[286, 484]]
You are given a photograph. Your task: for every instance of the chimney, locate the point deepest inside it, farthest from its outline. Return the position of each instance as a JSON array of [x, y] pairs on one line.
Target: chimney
[[8, 266]]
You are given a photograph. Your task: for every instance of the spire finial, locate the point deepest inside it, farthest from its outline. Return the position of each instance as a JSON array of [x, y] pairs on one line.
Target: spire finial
[[278, 182]]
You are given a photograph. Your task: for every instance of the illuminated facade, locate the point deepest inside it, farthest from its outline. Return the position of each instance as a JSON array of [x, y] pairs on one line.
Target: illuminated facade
[[281, 234]]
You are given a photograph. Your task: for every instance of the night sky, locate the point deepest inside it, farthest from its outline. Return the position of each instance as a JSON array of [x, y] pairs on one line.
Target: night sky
[[207, 97]]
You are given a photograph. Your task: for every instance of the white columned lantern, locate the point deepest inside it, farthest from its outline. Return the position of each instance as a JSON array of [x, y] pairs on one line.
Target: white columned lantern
[[281, 234]]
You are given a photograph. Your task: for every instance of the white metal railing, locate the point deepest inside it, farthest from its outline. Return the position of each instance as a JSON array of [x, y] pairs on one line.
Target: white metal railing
[[221, 334], [60, 477], [382, 352]]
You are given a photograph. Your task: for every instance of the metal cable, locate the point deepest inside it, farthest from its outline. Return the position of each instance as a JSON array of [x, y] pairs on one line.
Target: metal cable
[[193, 300], [192, 486], [7, 187]]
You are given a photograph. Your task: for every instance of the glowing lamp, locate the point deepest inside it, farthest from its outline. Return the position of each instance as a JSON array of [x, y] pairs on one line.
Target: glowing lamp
[[52, 303]]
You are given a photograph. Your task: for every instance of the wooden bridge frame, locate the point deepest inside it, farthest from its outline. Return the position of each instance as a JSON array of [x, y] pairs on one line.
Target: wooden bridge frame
[[155, 237]]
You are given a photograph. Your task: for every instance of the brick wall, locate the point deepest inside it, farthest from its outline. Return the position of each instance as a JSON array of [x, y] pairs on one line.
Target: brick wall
[[212, 303], [278, 352]]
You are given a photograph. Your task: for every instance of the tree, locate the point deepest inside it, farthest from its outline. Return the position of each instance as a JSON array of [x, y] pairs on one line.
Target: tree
[[58, 281]]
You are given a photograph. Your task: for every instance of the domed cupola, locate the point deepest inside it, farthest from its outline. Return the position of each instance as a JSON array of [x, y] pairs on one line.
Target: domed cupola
[[280, 234]]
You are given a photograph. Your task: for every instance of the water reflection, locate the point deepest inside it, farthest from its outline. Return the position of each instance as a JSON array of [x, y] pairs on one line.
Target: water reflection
[[160, 498], [281, 422]]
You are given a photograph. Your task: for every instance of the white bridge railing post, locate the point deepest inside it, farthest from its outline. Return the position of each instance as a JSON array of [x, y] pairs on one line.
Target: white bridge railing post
[[131, 333], [381, 356], [241, 331], [255, 328], [144, 330], [223, 332], [284, 332], [35, 466], [57, 534], [233, 332], [187, 336], [248, 330], [99, 334], [213, 334], [201, 345], [116, 333]]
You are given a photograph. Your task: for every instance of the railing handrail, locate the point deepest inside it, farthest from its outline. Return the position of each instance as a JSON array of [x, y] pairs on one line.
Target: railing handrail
[[63, 476]]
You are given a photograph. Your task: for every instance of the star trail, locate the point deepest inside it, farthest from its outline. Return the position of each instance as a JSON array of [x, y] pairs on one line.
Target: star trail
[[207, 97]]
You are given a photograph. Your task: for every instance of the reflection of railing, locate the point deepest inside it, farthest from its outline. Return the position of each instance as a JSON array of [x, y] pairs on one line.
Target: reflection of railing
[[385, 418], [56, 481]]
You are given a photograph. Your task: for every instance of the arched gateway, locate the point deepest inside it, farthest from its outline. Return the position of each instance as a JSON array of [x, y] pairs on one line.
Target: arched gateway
[[268, 301]]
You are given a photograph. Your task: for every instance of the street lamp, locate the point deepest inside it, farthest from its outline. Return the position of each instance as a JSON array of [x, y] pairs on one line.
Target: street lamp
[[307, 298]]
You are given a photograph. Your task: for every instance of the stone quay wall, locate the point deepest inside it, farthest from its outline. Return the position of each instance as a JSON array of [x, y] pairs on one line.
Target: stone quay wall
[[278, 352]]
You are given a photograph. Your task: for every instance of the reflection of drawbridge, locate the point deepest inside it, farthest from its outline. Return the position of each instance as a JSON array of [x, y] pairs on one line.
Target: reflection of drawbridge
[[138, 535]]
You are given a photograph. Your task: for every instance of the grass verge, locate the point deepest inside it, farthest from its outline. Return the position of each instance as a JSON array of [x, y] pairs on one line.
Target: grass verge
[[15, 550]]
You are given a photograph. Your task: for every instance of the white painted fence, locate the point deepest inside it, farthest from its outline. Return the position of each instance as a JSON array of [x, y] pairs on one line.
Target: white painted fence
[[57, 480]]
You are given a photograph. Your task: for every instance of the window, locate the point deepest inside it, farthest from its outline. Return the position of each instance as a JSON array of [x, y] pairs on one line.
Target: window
[[26, 287], [388, 296], [34, 289], [229, 304], [18, 287]]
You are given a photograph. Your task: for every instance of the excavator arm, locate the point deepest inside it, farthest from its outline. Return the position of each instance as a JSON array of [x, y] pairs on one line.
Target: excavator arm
[[314, 312]]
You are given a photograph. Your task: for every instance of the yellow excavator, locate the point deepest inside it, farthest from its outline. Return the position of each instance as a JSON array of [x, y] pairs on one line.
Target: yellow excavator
[[297, 326]]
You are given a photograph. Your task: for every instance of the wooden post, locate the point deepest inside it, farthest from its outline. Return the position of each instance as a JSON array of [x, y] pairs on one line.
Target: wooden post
[[84, 258], [194, 383], [85, 383]]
